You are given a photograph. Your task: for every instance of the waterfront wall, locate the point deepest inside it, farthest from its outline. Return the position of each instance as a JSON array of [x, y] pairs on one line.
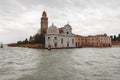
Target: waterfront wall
[[115, 43], [39, 46]]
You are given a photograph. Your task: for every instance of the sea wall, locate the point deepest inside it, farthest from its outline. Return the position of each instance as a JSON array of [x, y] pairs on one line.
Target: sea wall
[[39, 46], [12, 45], [115, 43]]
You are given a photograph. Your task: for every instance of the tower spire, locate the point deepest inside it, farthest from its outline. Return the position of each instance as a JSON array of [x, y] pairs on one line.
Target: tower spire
[[44, 14]]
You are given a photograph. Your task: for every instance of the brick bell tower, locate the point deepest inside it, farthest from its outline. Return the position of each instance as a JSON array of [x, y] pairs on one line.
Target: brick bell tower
[[44, 23]]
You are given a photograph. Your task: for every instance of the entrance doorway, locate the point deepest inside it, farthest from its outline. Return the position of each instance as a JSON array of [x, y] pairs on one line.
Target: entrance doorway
[[68, 44], [55, 44]]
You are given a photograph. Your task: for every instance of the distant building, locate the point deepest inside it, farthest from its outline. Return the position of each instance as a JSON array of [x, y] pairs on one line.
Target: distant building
[[93, 41], [99, 41], [59, 37], [80, 41]]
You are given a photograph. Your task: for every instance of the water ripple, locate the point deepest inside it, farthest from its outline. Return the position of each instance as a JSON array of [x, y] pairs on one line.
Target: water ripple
[[66, 64]]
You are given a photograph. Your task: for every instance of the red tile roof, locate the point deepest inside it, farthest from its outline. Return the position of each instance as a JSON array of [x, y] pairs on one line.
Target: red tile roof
[[61, 30]]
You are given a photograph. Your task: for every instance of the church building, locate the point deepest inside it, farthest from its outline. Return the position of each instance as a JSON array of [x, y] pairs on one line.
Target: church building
[[56, 37], [59, 37]]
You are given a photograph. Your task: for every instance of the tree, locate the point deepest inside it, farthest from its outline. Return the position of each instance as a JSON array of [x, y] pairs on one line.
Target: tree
[[19, 42], [39, 39], [118, 38], [42, 37], [111, 38], [115, 38], [30, 38], [26, 41], [23, 42]]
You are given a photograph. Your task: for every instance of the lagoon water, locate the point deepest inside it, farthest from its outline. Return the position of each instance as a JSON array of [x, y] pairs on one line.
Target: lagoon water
[[60, 64]]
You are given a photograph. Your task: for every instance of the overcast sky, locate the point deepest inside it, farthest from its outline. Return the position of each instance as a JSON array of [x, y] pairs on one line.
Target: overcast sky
[[21, 18]]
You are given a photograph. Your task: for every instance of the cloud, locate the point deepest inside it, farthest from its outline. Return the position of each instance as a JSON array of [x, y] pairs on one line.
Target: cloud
[[21, 18]]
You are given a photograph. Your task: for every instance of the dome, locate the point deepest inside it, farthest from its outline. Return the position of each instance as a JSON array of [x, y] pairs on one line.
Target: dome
[[67, 26], [53, 30]]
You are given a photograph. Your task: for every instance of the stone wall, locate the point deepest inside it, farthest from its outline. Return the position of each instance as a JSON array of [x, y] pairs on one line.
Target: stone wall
[[115, 43], [39, 46]]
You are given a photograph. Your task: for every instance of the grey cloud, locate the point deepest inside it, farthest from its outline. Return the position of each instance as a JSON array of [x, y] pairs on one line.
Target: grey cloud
[[22, 17]]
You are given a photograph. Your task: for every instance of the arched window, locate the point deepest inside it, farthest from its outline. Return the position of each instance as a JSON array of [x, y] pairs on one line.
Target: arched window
[[72, 41], [55, 44], [55, 37], [67, 44], [48, 37], [67, 32], [62, 41]]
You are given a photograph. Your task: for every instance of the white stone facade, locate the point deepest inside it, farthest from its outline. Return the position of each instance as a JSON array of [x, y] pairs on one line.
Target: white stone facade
[[59, 38]]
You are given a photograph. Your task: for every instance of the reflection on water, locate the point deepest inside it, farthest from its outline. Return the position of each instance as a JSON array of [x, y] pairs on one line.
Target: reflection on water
[[60, 64]]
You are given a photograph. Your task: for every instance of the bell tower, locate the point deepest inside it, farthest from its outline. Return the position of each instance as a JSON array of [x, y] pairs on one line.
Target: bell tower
[[44, 23]]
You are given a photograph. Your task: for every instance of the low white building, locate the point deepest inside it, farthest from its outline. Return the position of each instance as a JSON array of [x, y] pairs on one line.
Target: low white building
[[59, 37]]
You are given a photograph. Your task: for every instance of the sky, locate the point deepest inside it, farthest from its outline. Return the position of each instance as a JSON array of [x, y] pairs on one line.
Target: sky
[[20, 19]]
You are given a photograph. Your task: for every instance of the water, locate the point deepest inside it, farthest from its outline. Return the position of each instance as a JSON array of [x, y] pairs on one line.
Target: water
[[60, 64]]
